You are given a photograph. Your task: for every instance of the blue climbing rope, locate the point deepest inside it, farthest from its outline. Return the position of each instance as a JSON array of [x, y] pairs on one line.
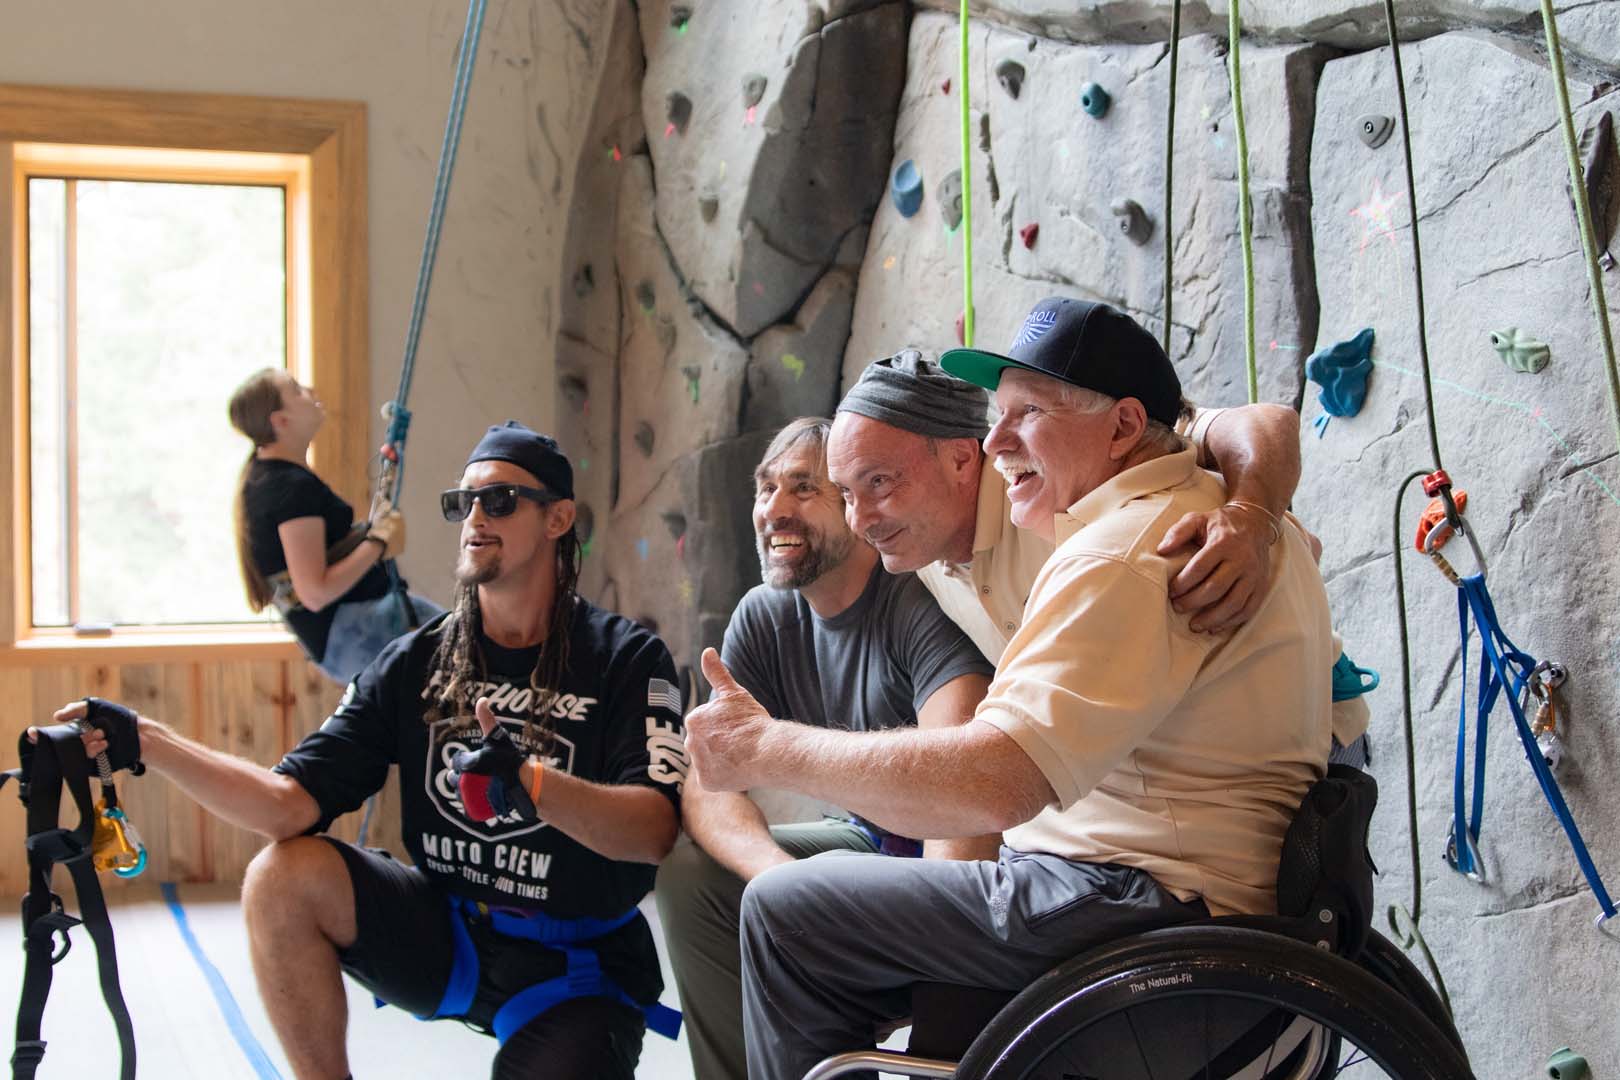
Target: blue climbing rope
[[399, 416]]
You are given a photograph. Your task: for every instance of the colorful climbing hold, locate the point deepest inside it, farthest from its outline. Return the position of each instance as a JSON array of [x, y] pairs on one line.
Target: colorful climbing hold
[[646, 297], [753, 89], [1028, 234], [1351, 680], [949, 194], [793, 364], [1341, 370], [1133, 220], [675, 522], [961, 328], [1373, 129], [888, 264], [679, 16], [680, 547], [642, 548], [1519, 351], [1565, 1064], [906, 188], [945, 87], [615, 155], [748, 116], [1010, 74], [1095, 100], [686, 590], [693, 375]]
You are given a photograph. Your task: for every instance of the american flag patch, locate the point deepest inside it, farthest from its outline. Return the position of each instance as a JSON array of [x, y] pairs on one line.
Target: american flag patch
[[663, 695], [1036, 326]]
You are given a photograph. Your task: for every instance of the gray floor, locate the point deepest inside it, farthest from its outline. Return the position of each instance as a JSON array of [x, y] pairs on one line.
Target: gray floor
[[182, 1032]]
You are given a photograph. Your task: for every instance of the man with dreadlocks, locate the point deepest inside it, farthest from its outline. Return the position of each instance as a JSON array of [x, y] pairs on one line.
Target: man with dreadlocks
[[538, 740]]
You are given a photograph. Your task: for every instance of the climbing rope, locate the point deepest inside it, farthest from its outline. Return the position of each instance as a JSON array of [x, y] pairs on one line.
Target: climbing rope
[[1245, 211], [1169, 167], [392, 474], [1583, 210], [967, 187]]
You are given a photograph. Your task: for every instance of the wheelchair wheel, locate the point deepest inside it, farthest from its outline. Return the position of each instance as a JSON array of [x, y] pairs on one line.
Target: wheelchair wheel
[[1390, 964], [1223, 1003]]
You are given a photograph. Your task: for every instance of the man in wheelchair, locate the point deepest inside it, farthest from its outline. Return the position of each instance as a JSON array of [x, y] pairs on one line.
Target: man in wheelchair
[[1144, 774]]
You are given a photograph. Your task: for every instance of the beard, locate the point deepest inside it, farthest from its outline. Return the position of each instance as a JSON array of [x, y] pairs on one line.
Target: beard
[[472, 571], [821, 556]]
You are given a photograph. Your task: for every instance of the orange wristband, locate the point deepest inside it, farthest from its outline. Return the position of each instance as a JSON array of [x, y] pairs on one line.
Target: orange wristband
[[536, 772]]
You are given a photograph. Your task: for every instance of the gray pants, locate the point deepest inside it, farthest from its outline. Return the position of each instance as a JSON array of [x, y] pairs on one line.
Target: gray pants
[[832, 944], [698, 903]]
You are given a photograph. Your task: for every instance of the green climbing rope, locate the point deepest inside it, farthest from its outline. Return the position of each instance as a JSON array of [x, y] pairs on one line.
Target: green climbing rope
[[967, 186], [1407, 932], [1583, 210], [1245, 211], [1169, 168]]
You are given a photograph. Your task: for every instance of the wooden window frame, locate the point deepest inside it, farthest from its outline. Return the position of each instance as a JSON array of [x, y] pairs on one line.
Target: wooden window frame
[[318, 150]]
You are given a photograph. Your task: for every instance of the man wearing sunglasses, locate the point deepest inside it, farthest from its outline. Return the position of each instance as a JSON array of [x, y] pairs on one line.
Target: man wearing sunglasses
[[538, 740]]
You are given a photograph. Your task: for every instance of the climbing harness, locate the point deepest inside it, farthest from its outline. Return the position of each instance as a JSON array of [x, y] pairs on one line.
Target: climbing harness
[[571, 937], [104, 839], [1504, 670]]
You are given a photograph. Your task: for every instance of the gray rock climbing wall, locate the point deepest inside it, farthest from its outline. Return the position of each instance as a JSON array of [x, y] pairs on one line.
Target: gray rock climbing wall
[[735, 258]]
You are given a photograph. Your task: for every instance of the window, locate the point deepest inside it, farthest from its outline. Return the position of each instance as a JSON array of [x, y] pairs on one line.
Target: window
[[162, 247]]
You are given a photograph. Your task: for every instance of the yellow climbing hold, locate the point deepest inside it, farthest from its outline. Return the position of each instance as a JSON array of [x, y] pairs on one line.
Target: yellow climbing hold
[[793, 364]]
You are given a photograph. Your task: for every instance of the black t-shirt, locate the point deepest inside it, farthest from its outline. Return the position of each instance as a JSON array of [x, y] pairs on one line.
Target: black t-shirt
[[280, 491], [617, 720]]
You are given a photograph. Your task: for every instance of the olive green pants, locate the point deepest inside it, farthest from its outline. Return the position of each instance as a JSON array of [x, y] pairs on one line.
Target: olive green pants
[[698, 904]]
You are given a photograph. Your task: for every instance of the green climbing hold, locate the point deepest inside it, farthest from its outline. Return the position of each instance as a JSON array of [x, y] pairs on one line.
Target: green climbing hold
[[793, 364], [1095, 100], [693, 374], [1565, 1064], [1519, 350]]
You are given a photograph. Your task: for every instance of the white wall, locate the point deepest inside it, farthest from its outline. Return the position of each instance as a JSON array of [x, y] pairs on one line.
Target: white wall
[[485, 353]]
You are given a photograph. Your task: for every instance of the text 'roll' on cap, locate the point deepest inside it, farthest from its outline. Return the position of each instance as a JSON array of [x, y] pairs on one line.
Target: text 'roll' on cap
[[1085, 344]]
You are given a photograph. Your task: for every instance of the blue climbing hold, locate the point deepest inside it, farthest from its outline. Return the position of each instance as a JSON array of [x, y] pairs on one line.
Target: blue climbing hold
[[1095, 100], [1350, 681], [1342, 372], [906, 188]]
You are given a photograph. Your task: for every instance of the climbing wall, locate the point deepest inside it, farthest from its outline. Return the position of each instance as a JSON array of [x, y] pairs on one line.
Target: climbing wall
[[770, 198]]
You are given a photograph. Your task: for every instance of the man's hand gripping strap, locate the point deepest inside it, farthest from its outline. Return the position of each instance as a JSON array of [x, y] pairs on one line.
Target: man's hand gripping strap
[[123, 738], [488, 780]]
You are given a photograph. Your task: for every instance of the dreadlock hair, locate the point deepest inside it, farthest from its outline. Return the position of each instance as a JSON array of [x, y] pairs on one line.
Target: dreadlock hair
[[458, 670], [250, 408]]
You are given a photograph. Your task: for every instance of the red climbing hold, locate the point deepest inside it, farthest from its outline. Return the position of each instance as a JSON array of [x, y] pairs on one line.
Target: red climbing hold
[[1028, 234], [945, 87], [961, 329]]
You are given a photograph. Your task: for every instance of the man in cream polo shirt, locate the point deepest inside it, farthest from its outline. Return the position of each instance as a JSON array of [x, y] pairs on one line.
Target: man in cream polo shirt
[[1144, 772]]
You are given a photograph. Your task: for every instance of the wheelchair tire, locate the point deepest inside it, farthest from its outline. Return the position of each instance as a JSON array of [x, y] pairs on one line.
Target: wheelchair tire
[[1385, 960], [1163, 974]]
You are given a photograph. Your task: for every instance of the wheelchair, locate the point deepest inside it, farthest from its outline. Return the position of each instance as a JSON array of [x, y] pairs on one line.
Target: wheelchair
[[1307, 994]]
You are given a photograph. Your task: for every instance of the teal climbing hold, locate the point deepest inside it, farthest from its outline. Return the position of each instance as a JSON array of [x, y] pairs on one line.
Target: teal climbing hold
[[1520, 351], [1350, 681], [906, 188], [1565, 1064], [1095, 100], [1341, 370]]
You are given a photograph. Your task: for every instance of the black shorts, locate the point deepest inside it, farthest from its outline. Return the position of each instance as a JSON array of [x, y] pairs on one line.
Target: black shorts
[[404, 949]]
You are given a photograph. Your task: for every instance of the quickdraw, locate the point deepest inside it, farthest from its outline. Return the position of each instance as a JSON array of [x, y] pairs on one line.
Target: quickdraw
[[1504, 670]]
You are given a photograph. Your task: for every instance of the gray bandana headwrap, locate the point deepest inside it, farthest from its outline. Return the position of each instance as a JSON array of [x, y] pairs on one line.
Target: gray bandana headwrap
[[915, 395]]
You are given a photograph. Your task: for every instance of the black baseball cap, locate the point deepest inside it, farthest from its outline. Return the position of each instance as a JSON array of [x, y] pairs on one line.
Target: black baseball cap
[[1085, 344], [529, 450]]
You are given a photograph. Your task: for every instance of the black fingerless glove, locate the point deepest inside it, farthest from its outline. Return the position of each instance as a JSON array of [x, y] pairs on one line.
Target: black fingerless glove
[[488, 782], [118, 723]]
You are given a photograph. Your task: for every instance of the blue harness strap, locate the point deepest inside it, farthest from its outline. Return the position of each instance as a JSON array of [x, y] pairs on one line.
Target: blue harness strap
[[1498, 658], [583, 978]]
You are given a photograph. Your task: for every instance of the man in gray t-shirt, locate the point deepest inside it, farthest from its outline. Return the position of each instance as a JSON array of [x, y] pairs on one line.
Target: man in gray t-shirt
[[830, 639]]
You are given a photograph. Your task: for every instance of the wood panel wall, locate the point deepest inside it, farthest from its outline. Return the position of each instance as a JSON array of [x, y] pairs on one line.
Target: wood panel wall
[[253, 709]]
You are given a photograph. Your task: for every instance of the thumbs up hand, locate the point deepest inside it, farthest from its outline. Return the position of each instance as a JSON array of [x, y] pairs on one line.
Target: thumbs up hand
[[724, 736]]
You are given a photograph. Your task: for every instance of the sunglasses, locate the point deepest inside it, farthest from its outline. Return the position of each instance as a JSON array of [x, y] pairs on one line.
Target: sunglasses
[[498, 500]]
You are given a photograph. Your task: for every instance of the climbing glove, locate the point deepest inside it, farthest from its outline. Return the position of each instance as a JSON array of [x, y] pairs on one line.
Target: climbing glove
[[118, 724], [488, 780]]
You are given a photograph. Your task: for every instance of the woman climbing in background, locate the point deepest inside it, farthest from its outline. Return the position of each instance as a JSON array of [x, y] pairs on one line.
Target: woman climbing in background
[[299, 547]]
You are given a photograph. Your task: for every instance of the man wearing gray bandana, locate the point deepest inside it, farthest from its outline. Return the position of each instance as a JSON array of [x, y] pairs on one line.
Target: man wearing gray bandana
[[905, 450]]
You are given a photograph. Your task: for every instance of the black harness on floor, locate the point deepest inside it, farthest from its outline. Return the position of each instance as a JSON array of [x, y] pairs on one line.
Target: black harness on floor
[[56, 759]]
